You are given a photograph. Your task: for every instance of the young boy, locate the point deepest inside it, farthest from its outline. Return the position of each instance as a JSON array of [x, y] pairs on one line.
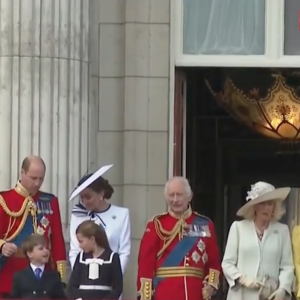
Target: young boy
[[35, 281]]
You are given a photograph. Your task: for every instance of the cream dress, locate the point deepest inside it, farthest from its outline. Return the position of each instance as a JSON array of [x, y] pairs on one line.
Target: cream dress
[[246, 254]]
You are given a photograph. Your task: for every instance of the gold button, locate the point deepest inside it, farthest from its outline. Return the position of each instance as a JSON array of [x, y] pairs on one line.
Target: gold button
[[186, 265]]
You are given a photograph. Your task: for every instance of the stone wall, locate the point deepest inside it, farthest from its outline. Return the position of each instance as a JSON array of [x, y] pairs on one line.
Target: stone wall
[[130, 80]]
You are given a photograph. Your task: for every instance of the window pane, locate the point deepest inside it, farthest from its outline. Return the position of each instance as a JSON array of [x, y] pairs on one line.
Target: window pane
[[291, 27], [224, 27]]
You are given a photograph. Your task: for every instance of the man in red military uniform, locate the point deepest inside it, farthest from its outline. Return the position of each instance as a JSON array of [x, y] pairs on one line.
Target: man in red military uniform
[[178, 257], [25, 210]]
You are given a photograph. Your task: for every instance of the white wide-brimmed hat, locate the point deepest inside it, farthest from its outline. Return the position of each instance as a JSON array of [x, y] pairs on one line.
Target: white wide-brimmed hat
[[89, 181], [262, 192]]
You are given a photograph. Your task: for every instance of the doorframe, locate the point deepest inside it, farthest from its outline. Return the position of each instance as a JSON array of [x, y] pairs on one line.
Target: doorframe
[[184, 134], [177, 124]]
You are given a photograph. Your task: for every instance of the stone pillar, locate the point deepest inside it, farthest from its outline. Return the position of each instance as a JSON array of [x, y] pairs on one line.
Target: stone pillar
[[146, 102], [108, 74], [44, 91], [130, 75]]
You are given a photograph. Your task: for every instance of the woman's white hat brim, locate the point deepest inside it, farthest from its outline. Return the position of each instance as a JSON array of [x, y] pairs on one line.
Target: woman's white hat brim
[[276, 195], [89, 181]]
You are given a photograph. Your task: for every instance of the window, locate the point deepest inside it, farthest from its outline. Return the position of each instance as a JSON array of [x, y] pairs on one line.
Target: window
[[262, 33], [291, 27], [224, 27]]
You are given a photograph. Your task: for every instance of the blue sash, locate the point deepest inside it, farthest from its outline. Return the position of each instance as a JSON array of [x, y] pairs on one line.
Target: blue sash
[[175, 258], [43, 206]]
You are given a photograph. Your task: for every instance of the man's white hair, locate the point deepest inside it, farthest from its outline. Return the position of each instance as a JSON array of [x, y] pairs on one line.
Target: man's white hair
[[183, 180]]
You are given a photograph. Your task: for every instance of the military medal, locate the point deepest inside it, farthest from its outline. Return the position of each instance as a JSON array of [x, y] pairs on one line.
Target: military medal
[[45, 222], [206, 231], [40, 231], [195, 256], [201, 246]]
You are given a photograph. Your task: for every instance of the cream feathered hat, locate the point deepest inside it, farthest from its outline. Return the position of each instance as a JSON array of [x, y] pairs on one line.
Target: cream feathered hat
[[262, 192]]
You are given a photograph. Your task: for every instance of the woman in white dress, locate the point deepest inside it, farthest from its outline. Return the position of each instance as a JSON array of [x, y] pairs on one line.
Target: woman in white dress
[[258, 263], [94, 192]]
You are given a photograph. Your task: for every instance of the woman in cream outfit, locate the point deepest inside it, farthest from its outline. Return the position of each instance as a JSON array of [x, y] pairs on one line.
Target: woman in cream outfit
[[259, 247]]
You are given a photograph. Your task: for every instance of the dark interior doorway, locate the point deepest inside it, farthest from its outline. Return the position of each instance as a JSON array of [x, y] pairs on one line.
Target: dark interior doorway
[[224, 157]]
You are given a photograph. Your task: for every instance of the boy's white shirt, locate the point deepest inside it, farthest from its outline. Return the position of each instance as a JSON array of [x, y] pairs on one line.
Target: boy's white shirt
[[34, 267]]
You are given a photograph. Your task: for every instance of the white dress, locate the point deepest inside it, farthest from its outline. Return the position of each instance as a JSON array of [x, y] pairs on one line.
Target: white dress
[[116, 223], [246, 255]]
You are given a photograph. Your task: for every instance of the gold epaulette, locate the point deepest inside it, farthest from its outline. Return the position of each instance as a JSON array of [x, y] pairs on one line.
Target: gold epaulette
[[157, 216]]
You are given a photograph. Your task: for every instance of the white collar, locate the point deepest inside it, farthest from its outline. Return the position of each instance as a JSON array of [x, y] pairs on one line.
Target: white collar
[[99, 261], [34, 267]]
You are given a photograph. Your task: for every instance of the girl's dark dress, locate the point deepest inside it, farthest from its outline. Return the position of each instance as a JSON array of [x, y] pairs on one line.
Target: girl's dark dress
[[109, 285]]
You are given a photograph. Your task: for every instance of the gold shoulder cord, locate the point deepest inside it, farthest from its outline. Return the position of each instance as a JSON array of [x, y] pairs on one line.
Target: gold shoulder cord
[[168, 236], [28, 206]]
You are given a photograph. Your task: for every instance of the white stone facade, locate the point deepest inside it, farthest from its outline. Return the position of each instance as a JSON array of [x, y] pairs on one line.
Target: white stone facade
[[85, 83], [130, 79], [44, 90]]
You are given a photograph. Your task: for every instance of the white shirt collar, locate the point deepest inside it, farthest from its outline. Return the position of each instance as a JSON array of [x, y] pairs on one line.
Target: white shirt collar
[[34, 267]]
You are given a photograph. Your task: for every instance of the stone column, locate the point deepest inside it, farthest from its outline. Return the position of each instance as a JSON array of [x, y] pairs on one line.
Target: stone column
[[107, 65], [146, 102], [44, 94]]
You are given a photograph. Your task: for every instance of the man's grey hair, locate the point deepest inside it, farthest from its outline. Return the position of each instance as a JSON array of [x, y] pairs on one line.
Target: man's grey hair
[[183, 180]]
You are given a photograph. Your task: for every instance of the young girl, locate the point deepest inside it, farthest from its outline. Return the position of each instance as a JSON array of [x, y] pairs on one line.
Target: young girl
[[97, 272]]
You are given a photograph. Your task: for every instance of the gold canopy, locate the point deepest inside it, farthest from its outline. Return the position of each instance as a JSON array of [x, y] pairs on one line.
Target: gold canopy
[[277, 115]]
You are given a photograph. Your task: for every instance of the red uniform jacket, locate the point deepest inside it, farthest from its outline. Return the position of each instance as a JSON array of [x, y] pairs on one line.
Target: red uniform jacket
[[176, 256], [22, 215]]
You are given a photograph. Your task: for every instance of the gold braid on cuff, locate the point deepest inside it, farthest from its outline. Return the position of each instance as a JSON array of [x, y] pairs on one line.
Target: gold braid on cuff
[[146, 289], [213, 278], [62, 269], [2, 242]]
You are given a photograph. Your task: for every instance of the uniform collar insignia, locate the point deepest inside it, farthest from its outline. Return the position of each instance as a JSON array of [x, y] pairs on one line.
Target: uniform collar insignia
[[184, 216], [19, 188]]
